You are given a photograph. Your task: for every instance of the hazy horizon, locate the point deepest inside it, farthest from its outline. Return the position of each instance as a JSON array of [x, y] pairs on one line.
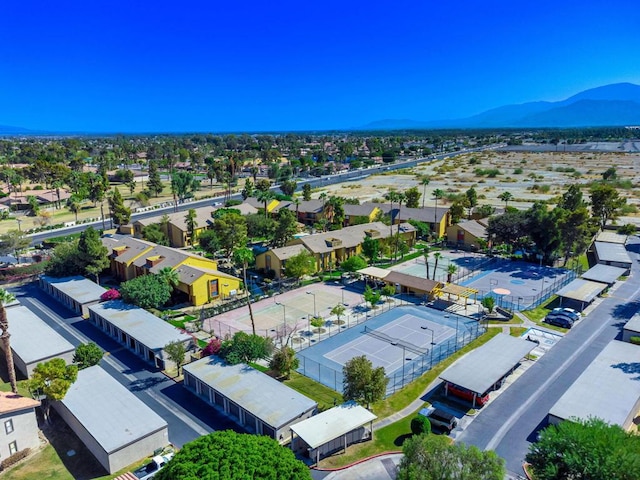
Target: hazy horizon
[[93, 67]]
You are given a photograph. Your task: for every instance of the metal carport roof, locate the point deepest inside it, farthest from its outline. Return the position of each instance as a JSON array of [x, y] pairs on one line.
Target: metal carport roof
[[581, 290], [332, 424], [482, 368], [604, 273]]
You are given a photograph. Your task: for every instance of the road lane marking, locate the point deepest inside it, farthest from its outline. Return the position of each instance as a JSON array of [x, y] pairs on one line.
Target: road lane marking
[[508, 424]]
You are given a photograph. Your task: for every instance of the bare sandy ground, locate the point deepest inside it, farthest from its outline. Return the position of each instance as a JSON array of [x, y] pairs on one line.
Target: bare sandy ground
[[528, 176]]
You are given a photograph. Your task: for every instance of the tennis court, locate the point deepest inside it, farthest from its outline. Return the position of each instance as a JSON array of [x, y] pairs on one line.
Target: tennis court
[[465, 263], [406, 341]]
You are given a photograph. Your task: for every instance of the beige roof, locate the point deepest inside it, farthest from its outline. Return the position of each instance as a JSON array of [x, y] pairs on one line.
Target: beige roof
[[178, 219], [612, 237], [245, 208], [284, 253], [474, 227], [375, 272], [417, 283], [11, 402], [351, 236], [426, 214]]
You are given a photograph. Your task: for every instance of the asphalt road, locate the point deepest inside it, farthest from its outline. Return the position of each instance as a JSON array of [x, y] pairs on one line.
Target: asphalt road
[[510, 423], [315, 182], [187, 416]]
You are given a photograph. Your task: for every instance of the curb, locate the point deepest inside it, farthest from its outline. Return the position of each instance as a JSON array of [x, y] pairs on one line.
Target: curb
[[362, 460]]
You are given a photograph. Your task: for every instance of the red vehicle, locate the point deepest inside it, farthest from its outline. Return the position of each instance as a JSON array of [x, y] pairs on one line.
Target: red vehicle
[[467, 394]]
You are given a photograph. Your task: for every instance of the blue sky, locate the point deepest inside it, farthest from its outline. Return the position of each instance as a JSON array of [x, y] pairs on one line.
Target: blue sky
[[168, 66]]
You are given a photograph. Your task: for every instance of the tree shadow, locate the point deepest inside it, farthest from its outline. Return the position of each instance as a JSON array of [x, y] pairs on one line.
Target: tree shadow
[[76, 458], [625, 310], [629, 368], [400, 439], [146, 383]]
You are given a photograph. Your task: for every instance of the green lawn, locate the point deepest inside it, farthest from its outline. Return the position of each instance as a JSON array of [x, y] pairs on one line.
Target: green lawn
[[324, 396], [517, 331]]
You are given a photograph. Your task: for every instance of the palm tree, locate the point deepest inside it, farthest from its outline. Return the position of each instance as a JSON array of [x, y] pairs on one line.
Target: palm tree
[[437, 194], [74, 205], [169, 276], [192, 224], [437, 256], [424, 182], [451, 269], [400, 197], [265, 196], [425, 254], [243, 256], [506, 197], [6, 298]]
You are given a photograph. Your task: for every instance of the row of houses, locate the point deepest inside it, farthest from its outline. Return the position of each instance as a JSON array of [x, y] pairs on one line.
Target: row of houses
[[307, 212], [331, 248]]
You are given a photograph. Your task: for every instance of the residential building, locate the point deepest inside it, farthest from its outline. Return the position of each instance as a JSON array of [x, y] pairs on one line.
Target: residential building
[[200, 281], [174, 226], [18, 424], [467, 234], [438, 219]]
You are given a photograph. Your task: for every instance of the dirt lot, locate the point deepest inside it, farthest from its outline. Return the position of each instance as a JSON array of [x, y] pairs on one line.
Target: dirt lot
[[528, 176]]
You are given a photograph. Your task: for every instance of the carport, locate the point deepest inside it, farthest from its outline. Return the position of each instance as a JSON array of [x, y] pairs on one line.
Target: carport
[[581, 292], [332, 430], [603, 274], [483, 369], [608, 389]]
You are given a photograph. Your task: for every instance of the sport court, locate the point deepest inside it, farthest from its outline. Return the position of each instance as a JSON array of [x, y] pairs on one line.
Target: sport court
[[294, 307], [465, 262], [518, 285], [410, 335]]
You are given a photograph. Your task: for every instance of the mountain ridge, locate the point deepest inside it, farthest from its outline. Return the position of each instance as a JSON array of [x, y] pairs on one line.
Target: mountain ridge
[[615, 104]]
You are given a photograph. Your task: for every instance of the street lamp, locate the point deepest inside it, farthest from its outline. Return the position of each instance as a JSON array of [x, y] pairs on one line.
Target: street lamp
[[315, 312], [519, 299], [424, 327], [19, 220], [284, 318]]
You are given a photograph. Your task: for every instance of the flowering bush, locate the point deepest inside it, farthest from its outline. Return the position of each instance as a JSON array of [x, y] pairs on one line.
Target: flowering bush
[[111, 294], [212, 348]]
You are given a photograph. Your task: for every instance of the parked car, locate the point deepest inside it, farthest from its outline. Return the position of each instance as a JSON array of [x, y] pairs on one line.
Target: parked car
[[568, 312], [149, 471], [440, 418], [559, 321]]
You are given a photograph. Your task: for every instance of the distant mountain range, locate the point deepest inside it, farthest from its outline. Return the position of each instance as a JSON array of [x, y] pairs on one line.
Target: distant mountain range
[[9, 130], [610, 105]]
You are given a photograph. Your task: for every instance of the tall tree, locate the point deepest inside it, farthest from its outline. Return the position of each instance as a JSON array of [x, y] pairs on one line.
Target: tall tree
[[585, 449], [472, 200], [362, 382], [542, 227], [243, 256], [371, 249], [176, 352], [87, 355], [299, 265], [93, 255], [52, 379], [192, 223], [306, 192], [231, 231], [437, 195], [286, 228], [154, 184], [506, 197], [437, 256], [284, 361], [5, 299], [121, 214], [412, 197], [265, 197], [424, 181], [429, 457], [605, 203], [146, 291]]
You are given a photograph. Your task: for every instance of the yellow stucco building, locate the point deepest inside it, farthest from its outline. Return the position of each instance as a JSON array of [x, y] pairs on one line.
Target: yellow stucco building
[[199, 279]]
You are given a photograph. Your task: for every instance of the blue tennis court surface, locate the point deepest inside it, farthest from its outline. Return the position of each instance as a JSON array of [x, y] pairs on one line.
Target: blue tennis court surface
[[404, 340]]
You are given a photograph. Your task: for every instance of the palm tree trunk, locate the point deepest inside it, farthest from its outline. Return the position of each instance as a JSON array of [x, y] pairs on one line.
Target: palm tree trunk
[[6, 345], [246, 285]]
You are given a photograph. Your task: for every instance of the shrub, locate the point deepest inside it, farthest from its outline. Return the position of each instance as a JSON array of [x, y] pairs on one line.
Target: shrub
[[420, 425], [15, 458], [111, 294], [317, 322], [212, 348], [635, 340]]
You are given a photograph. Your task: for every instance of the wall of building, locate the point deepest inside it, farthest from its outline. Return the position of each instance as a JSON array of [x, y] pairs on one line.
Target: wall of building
[[25, 431]]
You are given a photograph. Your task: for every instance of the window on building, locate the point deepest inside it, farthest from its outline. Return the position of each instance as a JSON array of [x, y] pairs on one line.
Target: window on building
[[8, 426], [13, 448]]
